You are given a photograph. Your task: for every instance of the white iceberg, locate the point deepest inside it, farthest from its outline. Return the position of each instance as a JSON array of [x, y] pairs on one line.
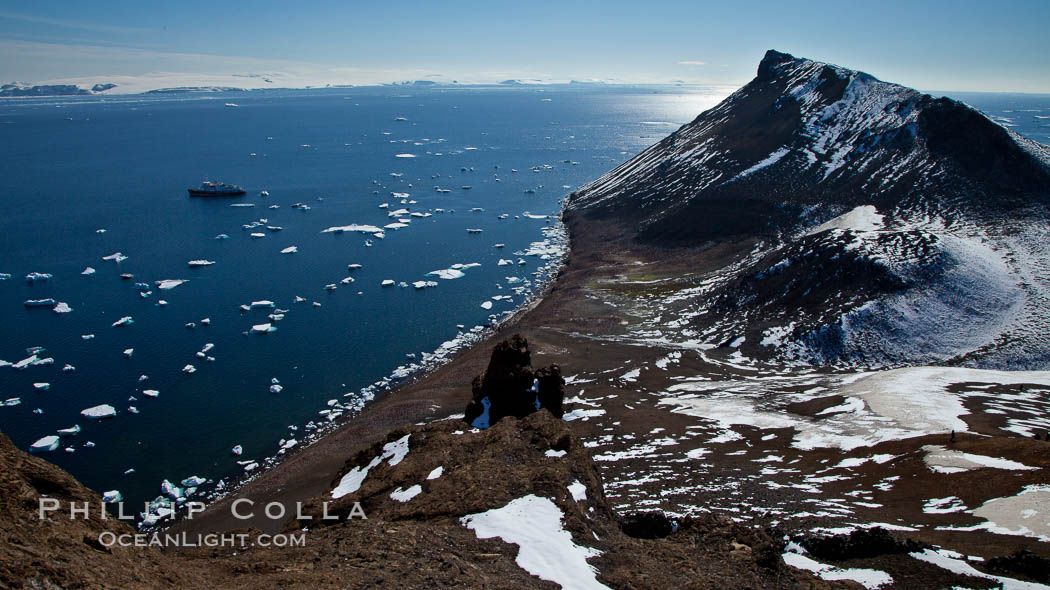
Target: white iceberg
[[447, 273], [290, 250], [196, 263], [124, 321], [169, 283], [128, 352], [237, 450], [486, 305], [62, 307], [41, 386], [24, 363], [263, 328], [88, 271], [99, 412], [112, 497], [48, 443], [387, 283], [150, 392], [424, 284], [276, 388], [338, 229], [193, 481], [71, 431], [115, 257], [189, 369]]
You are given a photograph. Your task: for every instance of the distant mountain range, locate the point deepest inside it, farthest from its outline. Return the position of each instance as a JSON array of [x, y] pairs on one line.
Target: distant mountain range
[[872, 224], [19, 89]]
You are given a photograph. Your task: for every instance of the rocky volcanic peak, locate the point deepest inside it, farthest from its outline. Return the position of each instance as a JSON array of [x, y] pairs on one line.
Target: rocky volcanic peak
[[872, 224], [806, 134]]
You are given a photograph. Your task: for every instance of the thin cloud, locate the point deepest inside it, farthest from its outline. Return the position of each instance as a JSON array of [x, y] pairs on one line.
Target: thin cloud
[[70, 24], [691, 63]]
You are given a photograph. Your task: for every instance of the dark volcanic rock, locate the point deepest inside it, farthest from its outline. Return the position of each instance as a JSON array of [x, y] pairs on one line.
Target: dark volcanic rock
[[848, 214], [1023, 563], [510, 387], [647, 525], [860, 543]]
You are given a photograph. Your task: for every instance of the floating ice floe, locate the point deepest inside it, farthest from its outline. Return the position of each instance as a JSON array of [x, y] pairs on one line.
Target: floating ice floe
[[112, 497], [330, 287], [263, 328], [71, 431], [197, 263], [167, 284], [115, 257], [448, 273], [150, 393], [87, 336], [25, 363], [11, 401], [38, 276], [257, 235], [474, 230], [387, 283], [194, 481], [99, 412], [276, 388], [206, 322], [62, 307], [424, 284], [124, 321], [338, 229], [486, 305], [133, 410], [47, 443], [68, 368], [189, 369], [5, 276], [290, 250], [41, 386], [88, 271], [39, 302], [128, 352], [222, 237], [237, 450], [265, 303]]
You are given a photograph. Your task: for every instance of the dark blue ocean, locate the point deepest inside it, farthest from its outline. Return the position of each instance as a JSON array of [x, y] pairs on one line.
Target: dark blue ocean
[[72, 167]]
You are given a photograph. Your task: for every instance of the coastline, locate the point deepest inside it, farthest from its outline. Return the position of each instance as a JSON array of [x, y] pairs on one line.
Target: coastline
[[431, 390]]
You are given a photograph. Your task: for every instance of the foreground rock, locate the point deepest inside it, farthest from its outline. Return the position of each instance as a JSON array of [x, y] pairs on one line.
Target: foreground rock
[[60, 552], [510, 387]]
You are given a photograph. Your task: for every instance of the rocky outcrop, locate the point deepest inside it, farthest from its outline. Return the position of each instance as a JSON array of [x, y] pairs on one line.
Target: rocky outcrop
[[510, 387], [64, 551], [858, 544]]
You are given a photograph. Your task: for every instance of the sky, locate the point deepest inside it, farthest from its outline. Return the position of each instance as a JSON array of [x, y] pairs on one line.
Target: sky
[[959, 45]]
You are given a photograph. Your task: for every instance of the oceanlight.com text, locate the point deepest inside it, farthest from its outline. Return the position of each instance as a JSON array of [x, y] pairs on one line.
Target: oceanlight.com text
[[237, 540]]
